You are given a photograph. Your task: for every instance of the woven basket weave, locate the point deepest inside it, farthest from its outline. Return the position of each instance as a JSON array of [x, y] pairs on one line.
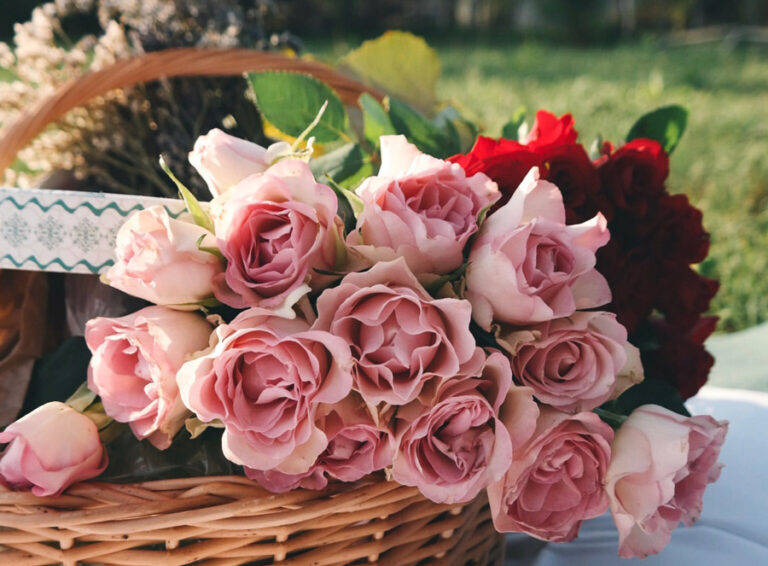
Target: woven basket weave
[[228, 520]]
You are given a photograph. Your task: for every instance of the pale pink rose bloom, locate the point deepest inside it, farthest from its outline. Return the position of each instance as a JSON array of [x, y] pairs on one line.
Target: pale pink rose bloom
[[158, 259], [661, 465], [357, 446], [224, 160], [134, 364], [275, 230], [401, 338], [49, 449], [571, 363], [555, 481], [527, 266], [264, 378], [464, 440], [419, 207]]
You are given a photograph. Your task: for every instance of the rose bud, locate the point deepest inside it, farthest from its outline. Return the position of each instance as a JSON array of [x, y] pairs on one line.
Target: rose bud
[[264, 379], [401, 338], [555, 481], [527, 266], [158, 259], [275, 230], [49, 449], [420, 208], [224, 160], [661, 465], [573, 363], [357, 446], [463, 441], [134, 364]]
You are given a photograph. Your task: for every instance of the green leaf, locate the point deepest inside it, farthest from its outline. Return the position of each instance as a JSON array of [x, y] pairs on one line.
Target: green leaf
[[455, 125], [291, 101], [81, 399], [308, 130], [665, 125], [510, 129], [213, 251], [420, 131], [98, 415], [400, 64], [649, 391], [434, 286], [199, 215], [615, 420], [345, 165], [375, 119], [350, 205]]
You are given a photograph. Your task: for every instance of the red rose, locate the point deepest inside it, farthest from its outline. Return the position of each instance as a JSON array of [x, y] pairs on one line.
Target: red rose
[[681, 357], [685, 295], [632, 278], [634, 174], [505, 161], [569, 167], [548, 130], [675, 231]]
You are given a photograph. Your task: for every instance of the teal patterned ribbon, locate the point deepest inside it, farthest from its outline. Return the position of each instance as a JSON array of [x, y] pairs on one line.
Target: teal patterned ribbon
[[65, 231]]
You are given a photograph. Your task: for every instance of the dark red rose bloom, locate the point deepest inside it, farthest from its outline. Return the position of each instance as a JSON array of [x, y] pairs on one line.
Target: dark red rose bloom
[[684, 295], [632, 278], [674, 230], [569, 167], [548, 130], [505, 161], [633, 176], [681, 357]]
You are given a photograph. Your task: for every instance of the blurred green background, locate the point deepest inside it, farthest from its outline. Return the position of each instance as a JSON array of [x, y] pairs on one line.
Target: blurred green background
[[606, 62], [722, 162]]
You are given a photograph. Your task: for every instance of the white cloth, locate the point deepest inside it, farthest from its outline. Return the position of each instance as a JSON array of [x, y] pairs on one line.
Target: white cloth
[[733, 529]]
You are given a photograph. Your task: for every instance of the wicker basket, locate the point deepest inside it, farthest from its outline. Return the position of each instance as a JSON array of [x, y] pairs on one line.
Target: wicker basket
[[228, 520]]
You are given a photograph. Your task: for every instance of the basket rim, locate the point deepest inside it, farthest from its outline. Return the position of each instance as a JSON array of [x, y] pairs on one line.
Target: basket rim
[[168, 63]]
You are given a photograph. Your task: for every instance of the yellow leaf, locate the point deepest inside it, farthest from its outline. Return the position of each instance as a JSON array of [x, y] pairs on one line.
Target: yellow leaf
[[401, 64]]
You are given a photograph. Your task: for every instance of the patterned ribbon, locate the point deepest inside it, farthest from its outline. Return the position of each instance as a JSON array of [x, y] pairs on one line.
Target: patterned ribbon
[[65, 231]]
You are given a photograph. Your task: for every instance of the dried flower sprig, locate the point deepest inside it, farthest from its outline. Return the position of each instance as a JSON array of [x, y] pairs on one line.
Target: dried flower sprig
[[113, 143]]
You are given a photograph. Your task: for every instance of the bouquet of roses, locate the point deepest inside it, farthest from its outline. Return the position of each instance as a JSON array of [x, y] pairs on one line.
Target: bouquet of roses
[[450, 322]]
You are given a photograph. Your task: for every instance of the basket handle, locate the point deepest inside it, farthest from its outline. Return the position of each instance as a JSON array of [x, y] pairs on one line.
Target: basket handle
[[183, 61]]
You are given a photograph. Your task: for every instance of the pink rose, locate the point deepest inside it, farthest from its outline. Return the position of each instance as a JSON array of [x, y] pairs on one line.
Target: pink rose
[[134, 364], [527, 266], [420, 208], [572, 363], [556, 480], [661, 465], [224, 160], [158, 259], [401, 338], [463, 441], [264, 379], [357, 446], [49, 449], [275, 229]]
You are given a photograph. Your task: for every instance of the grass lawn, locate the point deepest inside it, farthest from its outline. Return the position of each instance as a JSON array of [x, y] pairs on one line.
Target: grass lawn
[[722, 162]]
